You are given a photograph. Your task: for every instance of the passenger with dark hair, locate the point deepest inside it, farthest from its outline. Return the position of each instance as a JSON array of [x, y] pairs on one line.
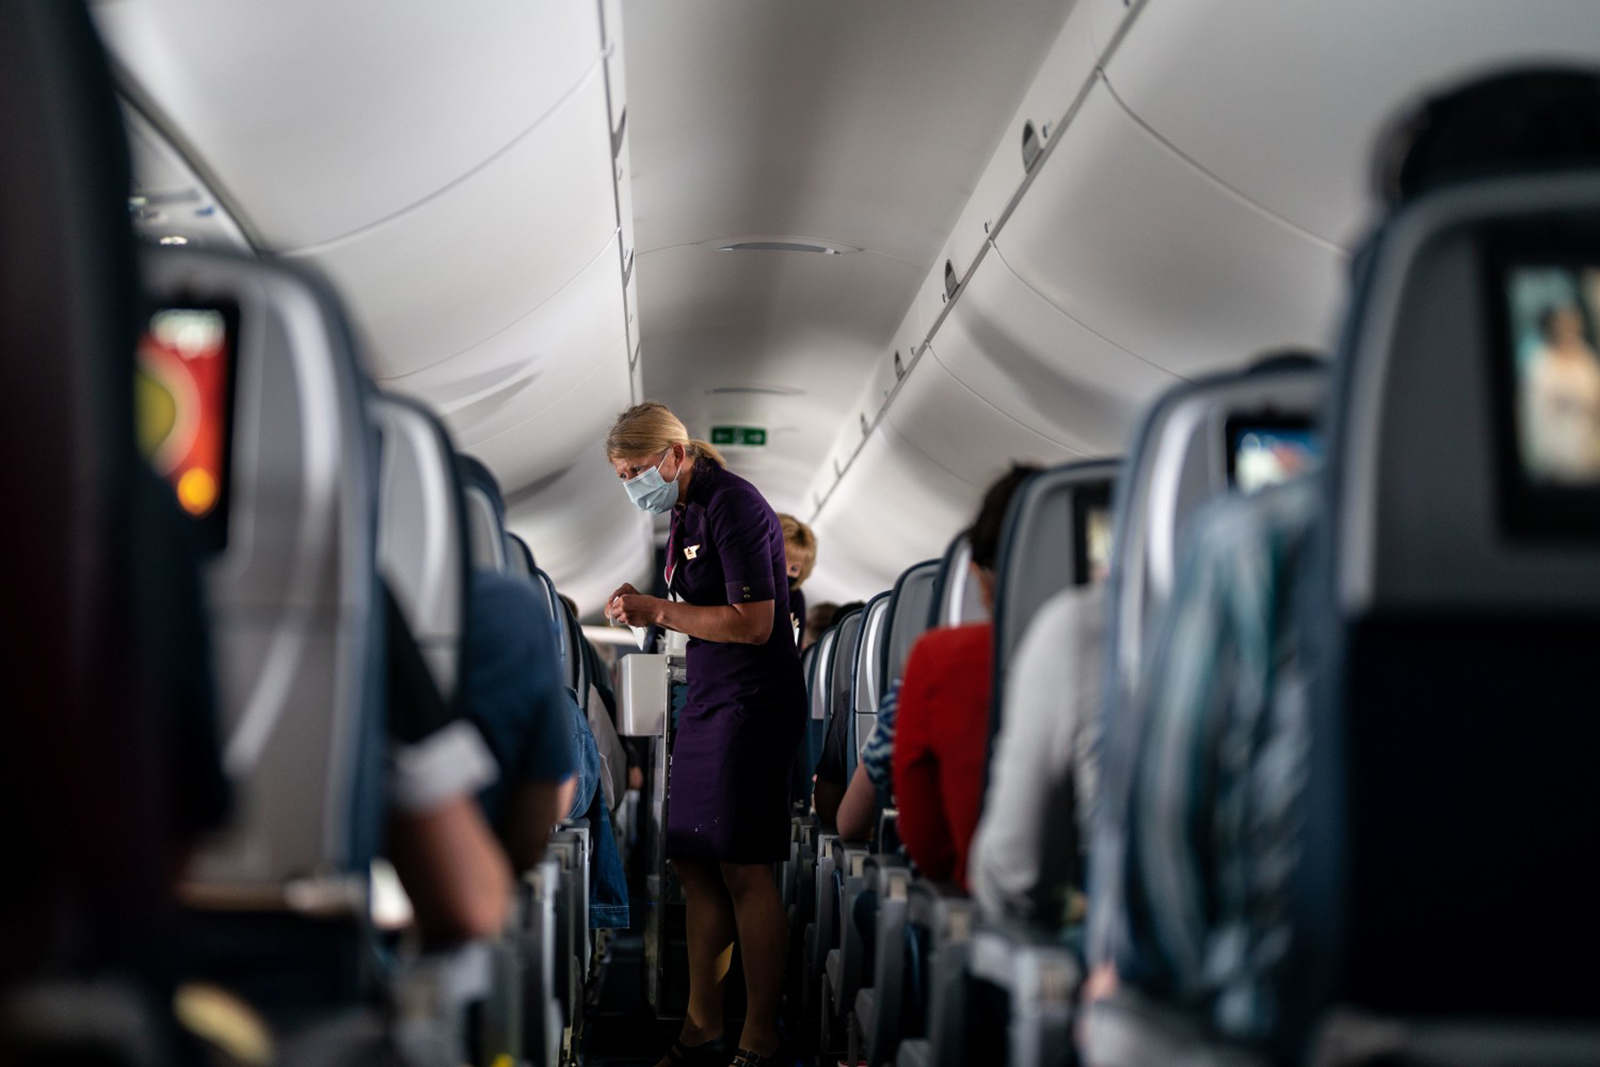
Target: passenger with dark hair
[[941, 735], [818, 618]]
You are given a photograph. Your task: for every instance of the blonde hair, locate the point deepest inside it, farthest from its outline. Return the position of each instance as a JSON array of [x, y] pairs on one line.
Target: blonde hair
[[799, 543], [650, 427]]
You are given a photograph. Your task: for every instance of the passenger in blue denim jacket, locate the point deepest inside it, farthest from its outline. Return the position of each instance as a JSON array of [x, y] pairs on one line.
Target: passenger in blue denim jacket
[[608, 881]]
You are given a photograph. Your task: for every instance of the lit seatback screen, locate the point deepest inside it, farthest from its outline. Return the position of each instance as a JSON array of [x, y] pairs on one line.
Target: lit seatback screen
[[184, 406], [1263, 454]]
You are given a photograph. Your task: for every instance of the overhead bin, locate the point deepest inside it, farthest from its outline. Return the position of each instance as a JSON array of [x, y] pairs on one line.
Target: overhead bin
[[1136, 244], [1284, 102], [1106, 17], [1022, 355], [896, 504], [961, 431], [448, 275], [370, 118], [529, 365], [584, 531], [1067, 67]]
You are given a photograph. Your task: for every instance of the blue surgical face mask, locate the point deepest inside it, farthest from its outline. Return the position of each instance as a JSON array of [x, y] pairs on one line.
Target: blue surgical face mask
[[651, 492]]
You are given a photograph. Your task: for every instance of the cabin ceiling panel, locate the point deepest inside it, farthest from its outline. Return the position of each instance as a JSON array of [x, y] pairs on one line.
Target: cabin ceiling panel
[[1136, 244], [1020, 353], [895, 507], [319, 119], [1285, 102], [455, 271]]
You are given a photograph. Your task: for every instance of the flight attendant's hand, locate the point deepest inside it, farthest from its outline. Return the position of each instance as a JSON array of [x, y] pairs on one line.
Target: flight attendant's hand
[[628, 605]]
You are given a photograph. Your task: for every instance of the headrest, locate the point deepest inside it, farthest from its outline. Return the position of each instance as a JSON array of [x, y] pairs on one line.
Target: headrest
[[519, 556], [278, 462], [1199, 440], [561, 627], [957, 598], [867, 687], [819, 679], [486, 515], [422, 533], [1057, 534], [1484, 496], [842, 656], [910, 605]]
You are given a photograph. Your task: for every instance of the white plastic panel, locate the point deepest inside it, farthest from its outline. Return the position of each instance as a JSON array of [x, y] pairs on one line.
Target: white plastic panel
[[1133, 242], [625, 197], [172, 199], [880, 385], [1026, 357], [449, 275], [584, 531], [962, 432], [931, 299], [616, 84], [1066, 68], [1284, 101], [321, 119], [1106, 18], [499, 384], [895, 507], [539, 443]]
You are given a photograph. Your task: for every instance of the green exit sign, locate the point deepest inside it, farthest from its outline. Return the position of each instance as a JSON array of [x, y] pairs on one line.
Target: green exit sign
[[748, 436]]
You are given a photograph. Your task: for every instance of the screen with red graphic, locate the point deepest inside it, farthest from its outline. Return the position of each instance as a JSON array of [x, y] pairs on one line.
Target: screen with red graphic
[[184, 394]]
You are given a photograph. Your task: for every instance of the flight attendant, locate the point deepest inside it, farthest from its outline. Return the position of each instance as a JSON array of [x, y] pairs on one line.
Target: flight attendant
[[728, 814]]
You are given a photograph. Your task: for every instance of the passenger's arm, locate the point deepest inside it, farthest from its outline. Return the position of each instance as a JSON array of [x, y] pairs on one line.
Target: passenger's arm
[[742, 623], [855, 809], [533, 811], [452, 868], [825, 798]]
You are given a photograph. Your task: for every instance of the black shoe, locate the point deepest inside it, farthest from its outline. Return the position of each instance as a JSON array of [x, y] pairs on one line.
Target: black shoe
[[745, 1058], [706, 1054]]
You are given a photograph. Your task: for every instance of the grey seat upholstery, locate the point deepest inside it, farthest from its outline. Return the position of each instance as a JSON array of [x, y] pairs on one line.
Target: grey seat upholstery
[[910, 607], [866, 684], [297, 624], [486, 516], [423, 534], [956, 596]]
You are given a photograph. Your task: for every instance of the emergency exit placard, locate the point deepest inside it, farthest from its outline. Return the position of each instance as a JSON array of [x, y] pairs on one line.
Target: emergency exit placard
[[748, 436]]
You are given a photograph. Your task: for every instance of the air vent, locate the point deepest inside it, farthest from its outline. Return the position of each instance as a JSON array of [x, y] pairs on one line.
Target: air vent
[[755, 390], [776, 243], [1032, 148]]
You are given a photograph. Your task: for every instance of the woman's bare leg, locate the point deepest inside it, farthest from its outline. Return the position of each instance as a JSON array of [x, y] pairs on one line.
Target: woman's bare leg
[[709, 929], [764, 942]]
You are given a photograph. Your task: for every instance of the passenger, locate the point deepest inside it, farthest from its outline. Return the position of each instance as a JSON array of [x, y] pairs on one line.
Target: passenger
[[800, 555], [1045, 769], [439, 841], [831, 764], [1561, 400], [600, 710], [513, 693], [941, 731], [737, 736], [1163, 917], [818, 618], [873, 779]]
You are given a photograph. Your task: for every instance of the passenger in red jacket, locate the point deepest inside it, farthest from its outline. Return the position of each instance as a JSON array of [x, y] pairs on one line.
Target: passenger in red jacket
[[941, 741]]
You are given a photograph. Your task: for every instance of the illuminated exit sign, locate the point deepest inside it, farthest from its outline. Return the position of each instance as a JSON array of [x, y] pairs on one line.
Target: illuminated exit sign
[[748, 436]]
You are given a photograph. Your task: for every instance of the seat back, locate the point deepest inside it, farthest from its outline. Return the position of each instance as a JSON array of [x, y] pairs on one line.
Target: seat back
[[293, 588], [486, 515], [1197, 442], [423, 552], [866, 687], [1053, 523], [910, 607], [98, 800], [563, 628], [519, 557], [1453, 726], [957, 599]]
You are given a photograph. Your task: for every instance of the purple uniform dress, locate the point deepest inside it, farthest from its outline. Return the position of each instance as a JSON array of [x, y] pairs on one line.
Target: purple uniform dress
[[740, 728]]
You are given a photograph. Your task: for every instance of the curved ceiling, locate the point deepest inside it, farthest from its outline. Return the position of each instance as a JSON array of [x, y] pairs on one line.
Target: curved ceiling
[[859, 124]]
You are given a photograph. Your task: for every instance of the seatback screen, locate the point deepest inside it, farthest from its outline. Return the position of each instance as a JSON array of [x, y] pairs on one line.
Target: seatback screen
[[1092, 533], [1551, 312], [184, 404], [1263, 453]]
